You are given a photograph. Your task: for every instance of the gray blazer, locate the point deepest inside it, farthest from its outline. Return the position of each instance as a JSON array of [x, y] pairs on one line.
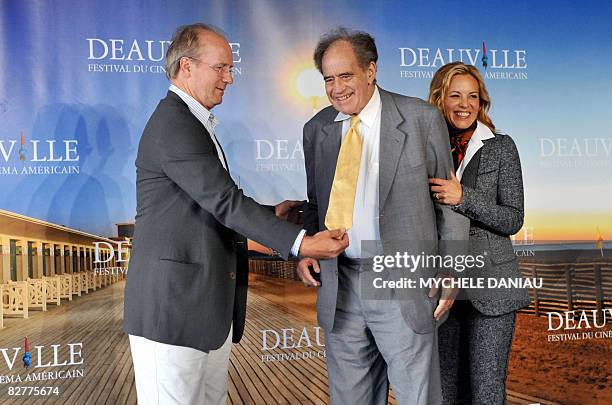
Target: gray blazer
[[413, 146], [188, 272], [493, 201]]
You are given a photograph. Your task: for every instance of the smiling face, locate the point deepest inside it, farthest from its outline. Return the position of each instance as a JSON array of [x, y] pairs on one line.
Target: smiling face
[[348, 86], [462, 101], [201, 80]]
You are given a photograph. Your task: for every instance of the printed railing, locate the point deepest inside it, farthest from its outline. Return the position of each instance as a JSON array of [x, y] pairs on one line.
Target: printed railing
[[18, 297], [84, 282], [15, 298], [53, 290], [76, 284], [66, 282], [569, 286], [37, 294], [91, 280], [274, 267]]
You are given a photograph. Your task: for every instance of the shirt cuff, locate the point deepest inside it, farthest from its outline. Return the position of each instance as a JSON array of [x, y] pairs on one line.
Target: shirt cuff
[[295, 249]]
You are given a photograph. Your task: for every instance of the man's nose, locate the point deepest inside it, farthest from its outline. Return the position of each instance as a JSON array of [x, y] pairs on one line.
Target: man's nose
[[227, 77], [338, 86]]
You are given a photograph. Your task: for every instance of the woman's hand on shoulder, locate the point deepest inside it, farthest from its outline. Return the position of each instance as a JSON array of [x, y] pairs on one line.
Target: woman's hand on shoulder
[[448, 192]]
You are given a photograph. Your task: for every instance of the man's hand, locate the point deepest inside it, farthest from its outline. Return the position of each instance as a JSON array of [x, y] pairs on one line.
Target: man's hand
[[303, 271], [325, 244], [289, 210], [447, 299]]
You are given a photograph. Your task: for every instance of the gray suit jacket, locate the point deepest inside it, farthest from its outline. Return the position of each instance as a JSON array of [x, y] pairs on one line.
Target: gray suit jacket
[[493, 201], [188, 271], [413, 146]]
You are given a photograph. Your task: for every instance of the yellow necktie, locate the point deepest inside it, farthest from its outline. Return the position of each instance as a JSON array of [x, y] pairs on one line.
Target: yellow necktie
[[342, 197]]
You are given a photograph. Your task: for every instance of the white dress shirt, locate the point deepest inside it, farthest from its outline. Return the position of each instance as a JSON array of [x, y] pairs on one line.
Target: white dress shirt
[[210, 122], [365, 211]]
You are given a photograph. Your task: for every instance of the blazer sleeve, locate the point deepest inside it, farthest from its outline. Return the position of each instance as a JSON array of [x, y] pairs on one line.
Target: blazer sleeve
[[507, 214], [451, 226], [311, 209], [189, 159]]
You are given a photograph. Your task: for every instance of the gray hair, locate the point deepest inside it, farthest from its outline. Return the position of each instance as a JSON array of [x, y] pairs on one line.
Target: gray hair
[[185, 44], [362, 43]]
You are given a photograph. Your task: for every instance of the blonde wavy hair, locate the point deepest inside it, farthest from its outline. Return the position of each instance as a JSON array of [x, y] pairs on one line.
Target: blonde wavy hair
[[441, 82]]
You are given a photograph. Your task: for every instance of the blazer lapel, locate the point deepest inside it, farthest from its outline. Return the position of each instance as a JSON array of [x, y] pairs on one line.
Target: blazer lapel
[[487, 161], [330, 148], [391, 145], [471, 170]]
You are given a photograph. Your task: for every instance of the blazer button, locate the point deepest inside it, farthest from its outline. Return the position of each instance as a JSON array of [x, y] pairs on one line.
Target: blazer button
[[233, 275]]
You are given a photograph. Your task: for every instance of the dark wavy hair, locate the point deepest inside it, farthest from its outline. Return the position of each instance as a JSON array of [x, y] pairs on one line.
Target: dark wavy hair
[[363, 45]]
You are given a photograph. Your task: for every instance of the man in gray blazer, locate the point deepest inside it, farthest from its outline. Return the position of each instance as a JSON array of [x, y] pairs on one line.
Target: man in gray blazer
[[185, 297], [404, 141]]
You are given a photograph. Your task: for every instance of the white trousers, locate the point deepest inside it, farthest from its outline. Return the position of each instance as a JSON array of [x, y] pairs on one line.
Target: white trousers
[[177, 375]]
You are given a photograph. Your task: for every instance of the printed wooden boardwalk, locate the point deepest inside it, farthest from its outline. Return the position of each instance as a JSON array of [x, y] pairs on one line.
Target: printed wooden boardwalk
[[95, 321]]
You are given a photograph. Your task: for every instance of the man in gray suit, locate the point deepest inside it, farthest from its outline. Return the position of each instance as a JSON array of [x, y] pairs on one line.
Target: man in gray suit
[[404, 141], [185, 298]]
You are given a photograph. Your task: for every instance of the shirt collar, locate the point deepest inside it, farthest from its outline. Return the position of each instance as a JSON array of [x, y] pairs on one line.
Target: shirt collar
[[201, 113], [482, 132], [369, 112]]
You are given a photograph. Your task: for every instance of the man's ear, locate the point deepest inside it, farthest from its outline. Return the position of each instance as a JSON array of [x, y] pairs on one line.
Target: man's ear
[[185, 65], [371, 72]]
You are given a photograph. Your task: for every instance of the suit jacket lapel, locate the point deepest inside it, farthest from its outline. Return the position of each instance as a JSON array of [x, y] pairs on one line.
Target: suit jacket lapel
[[176, 98], [488, 163], [330, 148], [391, 145], [471, 170], [483, 161]]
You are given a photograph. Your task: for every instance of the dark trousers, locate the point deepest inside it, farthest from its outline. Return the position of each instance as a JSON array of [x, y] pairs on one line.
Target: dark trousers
[[474, 350]]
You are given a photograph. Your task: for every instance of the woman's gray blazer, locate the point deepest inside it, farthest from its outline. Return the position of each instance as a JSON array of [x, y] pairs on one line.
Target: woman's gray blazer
[[493, 201]]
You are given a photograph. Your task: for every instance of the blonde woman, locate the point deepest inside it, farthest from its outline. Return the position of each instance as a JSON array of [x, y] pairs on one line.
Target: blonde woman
[[475, 341]]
